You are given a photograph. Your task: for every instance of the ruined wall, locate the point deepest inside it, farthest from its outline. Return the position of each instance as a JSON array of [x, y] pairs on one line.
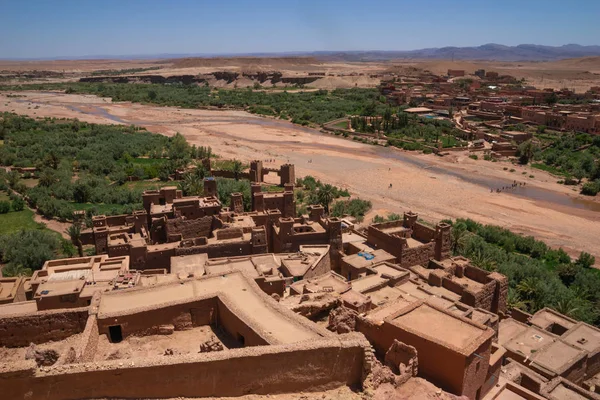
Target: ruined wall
[[261, 370], [381, 240], [88, 344], [187, 229], [158, 259], [437, 364], [182, 316], [41, 327], [423, 233], [482, 298], [322, 267], [417, 255], [231, 249]]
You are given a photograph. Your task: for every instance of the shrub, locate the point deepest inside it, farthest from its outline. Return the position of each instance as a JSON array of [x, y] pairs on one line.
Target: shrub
[[4, 207], [18, 204], [585, 260], [590, 188], [473, 156]]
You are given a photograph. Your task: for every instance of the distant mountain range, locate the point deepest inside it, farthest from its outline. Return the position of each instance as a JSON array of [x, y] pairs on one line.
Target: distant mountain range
[[486, 52]]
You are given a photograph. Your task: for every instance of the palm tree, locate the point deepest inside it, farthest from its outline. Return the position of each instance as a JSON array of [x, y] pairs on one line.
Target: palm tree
[[12, 270], [237, 169], [528, 288], [325, 196], [513, 300], [74, 232], [459, 235], [567, 306], [482, 260], [191, 185]]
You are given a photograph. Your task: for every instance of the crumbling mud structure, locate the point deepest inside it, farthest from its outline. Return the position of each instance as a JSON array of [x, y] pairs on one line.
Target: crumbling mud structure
[[188, 298]]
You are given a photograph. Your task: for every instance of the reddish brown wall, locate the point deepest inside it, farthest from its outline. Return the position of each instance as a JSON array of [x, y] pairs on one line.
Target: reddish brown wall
[[41, 327], [423, 233], [183, 316], [263, 370], [474, 378], [228, 320], [417, 255], [88, 344]]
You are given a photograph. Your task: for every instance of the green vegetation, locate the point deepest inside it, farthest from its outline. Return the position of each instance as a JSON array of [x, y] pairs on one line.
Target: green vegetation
[[538, 276], [84, 166], [391, 217], [333, 199], [304, 108], [573, 156], [108, 72], [354, 207], [25, 251], [410, 132], [16, 221]]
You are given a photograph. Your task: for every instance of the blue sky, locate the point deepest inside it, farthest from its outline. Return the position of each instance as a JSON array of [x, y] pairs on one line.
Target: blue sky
[[55, 28]]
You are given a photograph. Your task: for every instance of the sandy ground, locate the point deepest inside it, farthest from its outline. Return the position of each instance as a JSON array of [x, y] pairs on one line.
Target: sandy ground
[[578, 73], [435, 187], [180, 342]]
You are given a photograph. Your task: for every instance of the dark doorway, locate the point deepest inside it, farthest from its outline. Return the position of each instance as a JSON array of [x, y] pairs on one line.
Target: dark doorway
[[115, 334]]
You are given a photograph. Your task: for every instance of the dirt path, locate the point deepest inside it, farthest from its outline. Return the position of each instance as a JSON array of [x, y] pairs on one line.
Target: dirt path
[[449, 187]]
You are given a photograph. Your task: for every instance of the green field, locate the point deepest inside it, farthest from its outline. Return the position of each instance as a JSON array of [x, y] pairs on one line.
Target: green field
[[16, 221]]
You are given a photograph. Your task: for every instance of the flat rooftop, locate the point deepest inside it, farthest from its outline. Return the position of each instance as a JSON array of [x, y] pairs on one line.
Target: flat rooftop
[[8, 286], [189, 264], [508, 329], [352, 237], [391, 272], [546, 317], [530, 341], [359, 261], [557, 356], [368, 283], [59, 288], [241, 294], [444, 328], [583, 336]]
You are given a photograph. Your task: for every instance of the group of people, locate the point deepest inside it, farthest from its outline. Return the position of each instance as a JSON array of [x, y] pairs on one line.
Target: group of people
[[512, 186]]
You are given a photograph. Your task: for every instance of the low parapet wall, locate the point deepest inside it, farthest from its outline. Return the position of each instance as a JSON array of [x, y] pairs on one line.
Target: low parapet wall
[[41, 327], [305, 366]]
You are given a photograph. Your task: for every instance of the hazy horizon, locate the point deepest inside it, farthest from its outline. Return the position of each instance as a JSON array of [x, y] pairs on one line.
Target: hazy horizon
[[37, 29]]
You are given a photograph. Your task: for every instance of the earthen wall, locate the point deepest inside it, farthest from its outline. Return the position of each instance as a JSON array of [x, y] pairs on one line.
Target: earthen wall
[[423, 233], [417, 255], [41, 327], [181, 316], [262, 370]]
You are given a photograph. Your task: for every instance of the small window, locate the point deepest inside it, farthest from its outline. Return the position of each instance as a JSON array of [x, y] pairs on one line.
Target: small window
[[477, 366]]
